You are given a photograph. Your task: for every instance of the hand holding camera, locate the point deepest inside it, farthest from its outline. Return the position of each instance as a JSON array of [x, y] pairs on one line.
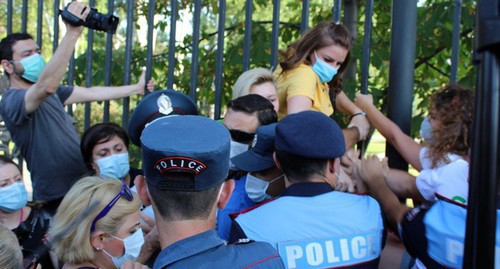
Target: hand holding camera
[[73, 15]]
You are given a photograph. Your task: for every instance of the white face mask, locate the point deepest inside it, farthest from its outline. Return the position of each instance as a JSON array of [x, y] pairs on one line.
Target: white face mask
[[132, 246], [114, 166], [256, 188], [236, 149], [426, 131]]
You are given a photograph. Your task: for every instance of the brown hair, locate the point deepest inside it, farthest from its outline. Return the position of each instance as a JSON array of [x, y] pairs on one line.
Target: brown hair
[[453, 108], [322, 35]]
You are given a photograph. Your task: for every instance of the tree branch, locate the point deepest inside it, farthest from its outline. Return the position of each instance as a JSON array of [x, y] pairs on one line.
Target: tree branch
[[422, 60]]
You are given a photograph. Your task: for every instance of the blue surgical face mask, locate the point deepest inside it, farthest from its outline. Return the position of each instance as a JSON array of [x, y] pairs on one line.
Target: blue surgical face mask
[[13, 197], [426, 131], [132, 246], [236, 149], [33, 66], [324, 71], [114, 166], [256, 188]]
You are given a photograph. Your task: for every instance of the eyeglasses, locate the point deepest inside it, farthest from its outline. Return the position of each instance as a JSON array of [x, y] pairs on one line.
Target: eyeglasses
[[240, 136], [125, 192]]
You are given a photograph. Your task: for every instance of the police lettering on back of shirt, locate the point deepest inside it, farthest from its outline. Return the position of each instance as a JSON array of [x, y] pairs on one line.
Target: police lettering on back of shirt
[[331, 251]]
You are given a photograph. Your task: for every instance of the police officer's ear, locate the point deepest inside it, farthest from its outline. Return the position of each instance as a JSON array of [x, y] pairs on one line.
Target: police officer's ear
[[334, 166], [142, 191], [225, 193], [276, 161]]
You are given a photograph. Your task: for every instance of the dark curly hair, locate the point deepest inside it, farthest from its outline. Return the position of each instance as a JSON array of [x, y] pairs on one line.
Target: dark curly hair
[[453, 109]]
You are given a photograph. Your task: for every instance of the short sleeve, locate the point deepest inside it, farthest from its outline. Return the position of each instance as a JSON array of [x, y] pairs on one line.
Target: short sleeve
[[64, 92], [12, 107], [425, 161], [301, 81], [427, 184]]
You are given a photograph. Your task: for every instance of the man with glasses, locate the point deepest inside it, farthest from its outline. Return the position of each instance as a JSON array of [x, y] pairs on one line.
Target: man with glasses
[[33, 109], [185, 162], [243, 116]]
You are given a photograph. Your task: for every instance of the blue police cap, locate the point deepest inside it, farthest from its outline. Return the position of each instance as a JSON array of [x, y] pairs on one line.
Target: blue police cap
[[185, 144], [260, 156], [310, 134], [158, 104]]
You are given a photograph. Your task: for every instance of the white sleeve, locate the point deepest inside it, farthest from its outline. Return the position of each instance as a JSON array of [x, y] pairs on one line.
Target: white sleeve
[[425, 161], [426, 184]]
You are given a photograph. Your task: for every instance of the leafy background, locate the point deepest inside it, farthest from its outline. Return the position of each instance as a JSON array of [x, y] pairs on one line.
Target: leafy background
[[432, 64]]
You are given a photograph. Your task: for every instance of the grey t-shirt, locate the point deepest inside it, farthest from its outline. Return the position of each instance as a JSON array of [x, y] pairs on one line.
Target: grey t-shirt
[[47, 140]]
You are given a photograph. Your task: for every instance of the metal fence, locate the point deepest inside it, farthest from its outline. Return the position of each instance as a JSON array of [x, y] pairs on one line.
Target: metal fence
[[21, 10]]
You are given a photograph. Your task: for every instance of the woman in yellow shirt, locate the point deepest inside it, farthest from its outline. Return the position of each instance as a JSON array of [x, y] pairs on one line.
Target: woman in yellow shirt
[[307, 77]]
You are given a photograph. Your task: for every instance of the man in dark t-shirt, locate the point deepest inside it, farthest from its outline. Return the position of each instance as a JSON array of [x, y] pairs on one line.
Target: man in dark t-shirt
[[33, 109]]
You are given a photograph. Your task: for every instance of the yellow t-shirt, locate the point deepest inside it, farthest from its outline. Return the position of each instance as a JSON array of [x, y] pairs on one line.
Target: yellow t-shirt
[[302, 81]]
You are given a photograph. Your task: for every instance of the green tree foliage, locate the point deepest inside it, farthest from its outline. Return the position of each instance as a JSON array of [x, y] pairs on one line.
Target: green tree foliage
[[432, 64]]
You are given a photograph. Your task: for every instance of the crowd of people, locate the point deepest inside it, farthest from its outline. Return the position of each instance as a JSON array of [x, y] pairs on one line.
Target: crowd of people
[[274, 184]]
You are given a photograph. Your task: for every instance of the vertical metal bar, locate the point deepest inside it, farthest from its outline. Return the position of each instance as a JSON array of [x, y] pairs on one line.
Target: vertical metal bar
[[193, 83], [337, 7], [351, 8], [247, 40], [149, 49], [128, 61], [400, 95], [457, 11], [275, 33], [480, 248], [55, 40], [365, 59], [108, 62], [71, 79], [10, 10], [24, 17], [88, 70], [171, 44], [39, 26], [219, 58], [304, 25], [365, 55]]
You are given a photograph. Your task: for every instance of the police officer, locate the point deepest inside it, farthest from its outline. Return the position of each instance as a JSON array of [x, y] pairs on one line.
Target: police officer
[[263, 181], [433, 234], [185, 162], [311, 224]]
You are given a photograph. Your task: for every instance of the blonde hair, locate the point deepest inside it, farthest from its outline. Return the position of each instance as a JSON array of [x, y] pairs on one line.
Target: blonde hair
[[11, 256], [252, 77], [74, 247]]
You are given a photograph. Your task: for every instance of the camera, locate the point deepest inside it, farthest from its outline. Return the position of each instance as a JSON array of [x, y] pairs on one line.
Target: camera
[[95, 20]]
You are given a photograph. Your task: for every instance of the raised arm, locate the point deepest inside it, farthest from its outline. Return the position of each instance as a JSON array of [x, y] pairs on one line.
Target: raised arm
[[403, 143], [101, 93], [372, 172], [52, 74], [403, 184]]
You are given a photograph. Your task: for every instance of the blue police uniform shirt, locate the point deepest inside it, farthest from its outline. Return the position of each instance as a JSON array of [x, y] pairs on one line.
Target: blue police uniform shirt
[[208, 250], [239, 201], [436, 235], [313, 226]]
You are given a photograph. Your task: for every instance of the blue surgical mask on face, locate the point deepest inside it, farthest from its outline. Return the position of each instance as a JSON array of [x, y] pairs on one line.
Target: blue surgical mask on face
[[114, 166], [256, 188], [324, 71], [132, 246], [426, 131], [13, 197], [33, 66]]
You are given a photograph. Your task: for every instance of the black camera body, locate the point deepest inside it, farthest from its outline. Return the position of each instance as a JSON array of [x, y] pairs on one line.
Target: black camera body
[[95, 20]]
